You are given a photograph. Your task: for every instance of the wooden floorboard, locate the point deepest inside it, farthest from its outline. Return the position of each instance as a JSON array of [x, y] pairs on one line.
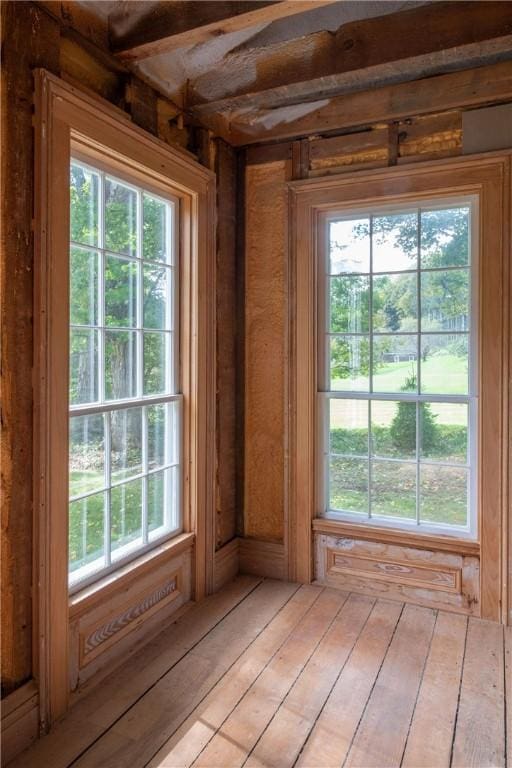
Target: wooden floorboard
[[480, 731], [69, 738], [381, 736], [430, 736], [267, 674], [331, 737]]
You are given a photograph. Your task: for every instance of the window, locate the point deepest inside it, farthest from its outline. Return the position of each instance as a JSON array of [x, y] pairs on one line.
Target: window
[[397, 367], [125, 410]]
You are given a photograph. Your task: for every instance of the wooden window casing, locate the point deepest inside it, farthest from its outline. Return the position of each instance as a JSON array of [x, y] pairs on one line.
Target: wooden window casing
[[487, 178], [67, 122]]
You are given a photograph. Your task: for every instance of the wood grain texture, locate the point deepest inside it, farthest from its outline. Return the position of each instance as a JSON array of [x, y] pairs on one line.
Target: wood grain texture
[[29, 39], [239, 733], [226, 564], [135, 737], [431, 733], [479, 735], [20, 720], [382, 733], [174, 26], [263, 558], [274, 674], [119, 690], [444, 92], [422, 576], [360, 55], [329, 741], [196, 732], [280, 743], [265, 350]]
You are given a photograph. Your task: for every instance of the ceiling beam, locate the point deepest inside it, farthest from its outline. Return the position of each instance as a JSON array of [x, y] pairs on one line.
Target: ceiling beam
[[174, 25], [324, 64], [456, 90]]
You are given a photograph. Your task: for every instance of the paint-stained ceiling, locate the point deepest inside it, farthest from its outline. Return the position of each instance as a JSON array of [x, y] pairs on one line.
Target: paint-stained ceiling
[[230, 63], [261, 69]]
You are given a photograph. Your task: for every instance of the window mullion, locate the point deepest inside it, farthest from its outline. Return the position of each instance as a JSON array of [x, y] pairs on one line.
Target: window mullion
[[108, 484]]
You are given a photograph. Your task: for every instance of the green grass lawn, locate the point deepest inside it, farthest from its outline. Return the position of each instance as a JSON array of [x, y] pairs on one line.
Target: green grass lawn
[[442, 374], [443, 490]]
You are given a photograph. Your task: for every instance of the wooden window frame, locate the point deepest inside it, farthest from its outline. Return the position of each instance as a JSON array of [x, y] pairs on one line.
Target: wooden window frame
[[487, 177], [468, 531], [64, 115], [102, 166]]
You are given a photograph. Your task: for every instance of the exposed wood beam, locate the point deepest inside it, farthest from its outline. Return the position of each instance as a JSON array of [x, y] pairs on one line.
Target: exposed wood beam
[[462, 90], [415, 68], [177, 24], [326, 64]]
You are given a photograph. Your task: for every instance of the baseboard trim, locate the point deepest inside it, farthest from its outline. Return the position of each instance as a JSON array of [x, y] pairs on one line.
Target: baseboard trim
[[263, 558], [20, 721], [226, 564]]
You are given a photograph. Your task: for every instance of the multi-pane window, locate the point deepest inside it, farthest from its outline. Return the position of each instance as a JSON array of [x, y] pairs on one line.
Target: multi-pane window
[[124, 431], [397, 366]]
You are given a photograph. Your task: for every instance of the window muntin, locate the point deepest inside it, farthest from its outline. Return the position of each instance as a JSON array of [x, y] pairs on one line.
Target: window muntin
[[397, 366], [125, 406]]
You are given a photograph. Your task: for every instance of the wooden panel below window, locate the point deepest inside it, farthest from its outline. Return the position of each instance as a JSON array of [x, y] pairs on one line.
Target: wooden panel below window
[[108, 626], [437, 579]]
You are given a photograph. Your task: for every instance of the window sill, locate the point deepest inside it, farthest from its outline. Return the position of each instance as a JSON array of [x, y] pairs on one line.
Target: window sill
[[438, 542], [81, 602]]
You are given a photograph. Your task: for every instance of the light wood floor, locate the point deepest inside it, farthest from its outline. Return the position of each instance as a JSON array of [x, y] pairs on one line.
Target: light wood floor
[[271, 674]]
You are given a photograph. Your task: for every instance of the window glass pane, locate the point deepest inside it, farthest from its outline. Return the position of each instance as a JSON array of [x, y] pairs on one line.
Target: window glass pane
[[162, 500], [445, 300], [120, 292], [350, 363], [84, 287], [120, 218], [394, 429], [393, 489], [155, 355], [123, 462], [349, 427], [84, 199], [126, 517], [125, 443], [395, 363], [395, 242], [444, 431], [444, 364], [349, 246], [83, 366], [156, 286], [349, 300], [348, 487], [443, 494], [395, 303], [86, 454], [445, 237], [156, 421], [120, 364], [154, 243], [86, 532], [162, 421]]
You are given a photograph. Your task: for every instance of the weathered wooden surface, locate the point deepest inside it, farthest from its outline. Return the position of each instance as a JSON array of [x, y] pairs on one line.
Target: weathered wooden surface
[[270, 675], [30, 39]]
